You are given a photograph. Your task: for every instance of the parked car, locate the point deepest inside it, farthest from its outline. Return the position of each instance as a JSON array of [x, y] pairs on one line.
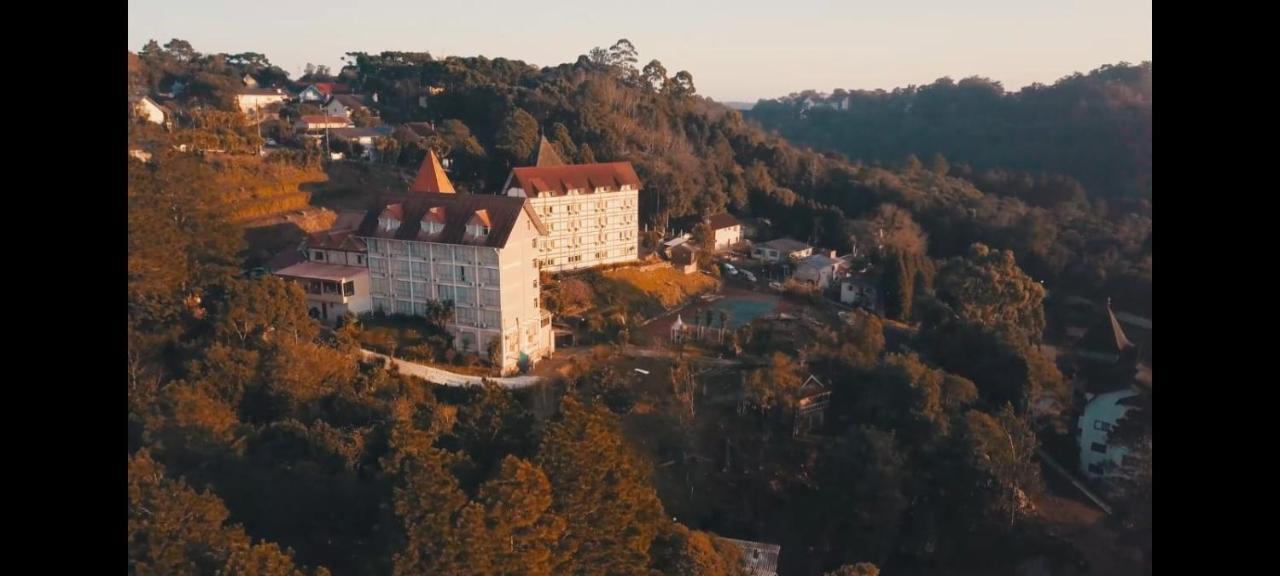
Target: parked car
[[729, 269], [749, 276], [776, 286]]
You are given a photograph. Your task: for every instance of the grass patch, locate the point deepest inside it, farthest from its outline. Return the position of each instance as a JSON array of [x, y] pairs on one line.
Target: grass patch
[[651, 292], [416, 340]]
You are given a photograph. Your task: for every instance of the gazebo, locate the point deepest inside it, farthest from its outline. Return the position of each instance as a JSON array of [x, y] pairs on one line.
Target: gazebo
[[677, 330]]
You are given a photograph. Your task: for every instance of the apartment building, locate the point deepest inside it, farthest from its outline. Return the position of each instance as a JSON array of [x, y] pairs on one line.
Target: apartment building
[[477, 251], [333, 274], [591, 211]]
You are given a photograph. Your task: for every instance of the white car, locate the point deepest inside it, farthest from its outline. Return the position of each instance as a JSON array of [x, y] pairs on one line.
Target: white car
[[776, 286], [749, 276], [730, 269]]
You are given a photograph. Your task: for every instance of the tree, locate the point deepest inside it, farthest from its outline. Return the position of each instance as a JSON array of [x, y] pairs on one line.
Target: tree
[[999, 455], [600, 489], [679, 551], [682, 84], [986, 287], [517, 136], [654, 76], [522, 527], [262, 309], [442, 533], [774, 384], [180, 50], [938, 165], [623, 54], [176, 530]]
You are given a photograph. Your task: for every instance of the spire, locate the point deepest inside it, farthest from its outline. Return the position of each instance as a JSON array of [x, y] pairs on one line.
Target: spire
[[545, 154], [431, 176], [1122, 341]]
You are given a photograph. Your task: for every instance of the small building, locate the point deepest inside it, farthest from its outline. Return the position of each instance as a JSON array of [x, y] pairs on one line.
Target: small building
[[311, 123], [321, 91], [669, 245], [250, 99], [858, 291], [1100, 459], [812, 400], [147, 109], [684, 258], [726, 230], [758, 558], [819, 270], [333, 290], [366, 137], [678, 329], [781, 250], [345, 104]]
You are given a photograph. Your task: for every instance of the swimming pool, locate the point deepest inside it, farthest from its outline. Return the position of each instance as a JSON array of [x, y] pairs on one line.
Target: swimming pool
[[741, 310]]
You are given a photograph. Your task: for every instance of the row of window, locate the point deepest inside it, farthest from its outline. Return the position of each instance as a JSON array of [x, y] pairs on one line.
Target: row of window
[[338, 257], [460, 295], [590, 240], [574, 208], [440, 272], [440, 252], [587, 224], [347, 288]]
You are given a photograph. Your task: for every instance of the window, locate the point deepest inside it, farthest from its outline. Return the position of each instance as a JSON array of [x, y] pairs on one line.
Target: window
[[420, 308], [330, 287], [388, 224], [417, 250], [462, 274], [534, 243], [380, 304], [489, 318], [444, 292], [418, 269], [396, 248], [378, 265], [489, 257], [349, 288], [360, 259], [490, 297], [465, 315], [313, 287], [489, 276], [444, 273], [1099, 448], [1102, 425], [317, 255], [1095, 468], [401, 288], [404, 307], [420, 290], [401, 268], [380, 286], [375, 246], [466, 297]]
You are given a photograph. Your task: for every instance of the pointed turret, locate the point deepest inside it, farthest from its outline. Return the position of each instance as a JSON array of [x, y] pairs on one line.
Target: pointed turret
[[545, 154], [431, 176]]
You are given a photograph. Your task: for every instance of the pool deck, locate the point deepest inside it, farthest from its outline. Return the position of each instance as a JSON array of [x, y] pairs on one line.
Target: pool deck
[[659, 328]]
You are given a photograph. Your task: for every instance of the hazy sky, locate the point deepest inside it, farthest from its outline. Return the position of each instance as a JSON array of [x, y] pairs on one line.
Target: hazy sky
[[741, 50]]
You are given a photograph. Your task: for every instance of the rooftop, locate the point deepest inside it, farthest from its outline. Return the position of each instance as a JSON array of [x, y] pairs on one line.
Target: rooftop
[[322, 271], [786, 245], [502, 211], [585, 178], [722, 220], [758, 558]]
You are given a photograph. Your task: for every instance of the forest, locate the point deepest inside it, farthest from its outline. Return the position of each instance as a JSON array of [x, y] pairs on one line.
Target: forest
[[259, 443]]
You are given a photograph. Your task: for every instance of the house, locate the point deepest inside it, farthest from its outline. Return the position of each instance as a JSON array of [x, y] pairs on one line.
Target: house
[[250, 99], [726, 230], [477, 251], [758, 558], [819, 270], [147, 109], [1100, 459], [311, 123], [249, 81], [812, 400], [672, 243], [345, 105], [591, 211], [684, 258], [333, 290], [321, 91], [366, 137], [781, 250]]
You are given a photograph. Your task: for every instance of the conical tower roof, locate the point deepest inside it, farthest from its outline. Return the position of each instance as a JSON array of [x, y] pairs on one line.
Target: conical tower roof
[[431, 176], [545, 154]]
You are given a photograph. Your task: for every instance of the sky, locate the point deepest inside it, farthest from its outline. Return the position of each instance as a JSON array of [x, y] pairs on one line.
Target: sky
[[736, 51]]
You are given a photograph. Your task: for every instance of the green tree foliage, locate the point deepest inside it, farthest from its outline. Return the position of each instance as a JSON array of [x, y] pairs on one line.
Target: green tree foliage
[[522, 528], [679, 551], [600, 489], [176, 530], [517, 137], [988, 289], [1000, 470], [773, 385]]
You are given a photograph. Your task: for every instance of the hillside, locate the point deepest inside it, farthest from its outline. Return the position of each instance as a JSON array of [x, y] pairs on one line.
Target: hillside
[[1095, 127]]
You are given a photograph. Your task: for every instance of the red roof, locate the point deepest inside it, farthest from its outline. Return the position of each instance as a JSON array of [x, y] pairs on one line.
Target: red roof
[[458, 210], [328, 88], [431, 176], [585, 178], [722, 220]]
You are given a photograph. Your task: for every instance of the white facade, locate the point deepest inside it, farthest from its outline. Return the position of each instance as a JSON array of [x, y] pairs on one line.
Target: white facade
[[1098, 457], [727, 237], [251, 101], [311, 94], [495, 291], [336, 108], [148, 110], [587, 229], [333, 290]]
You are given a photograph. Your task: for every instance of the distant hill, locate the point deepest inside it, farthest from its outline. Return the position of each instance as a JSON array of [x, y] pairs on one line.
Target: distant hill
[[740, 105], [1095, 127]]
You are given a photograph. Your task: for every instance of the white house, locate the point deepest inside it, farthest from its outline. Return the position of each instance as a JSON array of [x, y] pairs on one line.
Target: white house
[[148, 110], [1099, 458], [857, 291], [249, 99], [344, 105], [726, 230], [819, 270], [781, 250], [311, 123]]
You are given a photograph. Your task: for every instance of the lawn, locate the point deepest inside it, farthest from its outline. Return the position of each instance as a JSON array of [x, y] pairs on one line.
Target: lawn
[[651, 292]]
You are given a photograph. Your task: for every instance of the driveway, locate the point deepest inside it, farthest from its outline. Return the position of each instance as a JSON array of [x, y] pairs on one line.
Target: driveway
[[447, 378]]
